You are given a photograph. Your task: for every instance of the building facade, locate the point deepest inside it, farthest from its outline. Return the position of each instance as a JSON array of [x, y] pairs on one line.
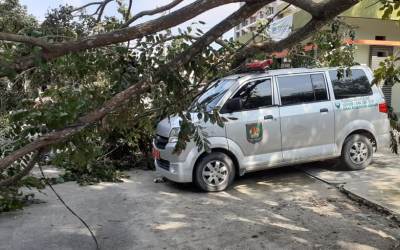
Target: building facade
[[248, 26]]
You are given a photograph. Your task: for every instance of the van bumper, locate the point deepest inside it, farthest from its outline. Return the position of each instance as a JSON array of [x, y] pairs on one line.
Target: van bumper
[[177, 172], [383, 141], [176, 167]]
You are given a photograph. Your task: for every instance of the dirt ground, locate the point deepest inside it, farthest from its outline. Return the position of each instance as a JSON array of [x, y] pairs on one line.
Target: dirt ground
[[274, 209]]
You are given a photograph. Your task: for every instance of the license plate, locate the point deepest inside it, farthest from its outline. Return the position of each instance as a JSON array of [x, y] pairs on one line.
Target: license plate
[[156, 154]]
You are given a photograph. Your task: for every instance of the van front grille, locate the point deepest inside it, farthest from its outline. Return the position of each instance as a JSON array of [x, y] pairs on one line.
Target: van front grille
[[163, 164], [160, 141]]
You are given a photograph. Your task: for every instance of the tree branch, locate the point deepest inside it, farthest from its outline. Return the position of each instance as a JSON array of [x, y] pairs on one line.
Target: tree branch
[[88, 5], [218, 30], [123, 35], [152, 12], [220, 42], [308, 5], [23, 173], [102, 7], [25, 39], [128, 11]]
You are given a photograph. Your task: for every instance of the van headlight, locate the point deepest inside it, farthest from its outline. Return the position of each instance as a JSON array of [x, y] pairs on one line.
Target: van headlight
[[173, 135]]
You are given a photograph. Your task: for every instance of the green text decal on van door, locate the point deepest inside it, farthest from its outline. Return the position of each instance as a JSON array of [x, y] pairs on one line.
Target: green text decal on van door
[[355, 103], [254, 132]]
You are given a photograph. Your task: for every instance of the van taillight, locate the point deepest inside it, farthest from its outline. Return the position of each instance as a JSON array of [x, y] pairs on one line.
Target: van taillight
[[383, 107]]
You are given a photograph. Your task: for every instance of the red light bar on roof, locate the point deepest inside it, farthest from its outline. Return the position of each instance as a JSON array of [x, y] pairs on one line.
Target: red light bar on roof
[[259, 65]]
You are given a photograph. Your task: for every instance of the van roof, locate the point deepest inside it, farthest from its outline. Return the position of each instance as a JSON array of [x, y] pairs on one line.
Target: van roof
[[285, 71]]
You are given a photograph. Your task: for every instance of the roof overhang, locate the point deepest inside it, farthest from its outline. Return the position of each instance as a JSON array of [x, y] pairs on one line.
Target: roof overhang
[[374, 42]]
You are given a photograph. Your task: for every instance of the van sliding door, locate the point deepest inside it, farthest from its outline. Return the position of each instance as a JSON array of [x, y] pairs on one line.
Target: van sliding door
[[307, 117]]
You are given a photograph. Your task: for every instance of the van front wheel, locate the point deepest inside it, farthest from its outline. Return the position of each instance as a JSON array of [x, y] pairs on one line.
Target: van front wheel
[[215, 172], [357, 152]]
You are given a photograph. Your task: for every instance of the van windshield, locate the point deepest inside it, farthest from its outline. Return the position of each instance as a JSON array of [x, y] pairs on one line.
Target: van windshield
[[210, 98]]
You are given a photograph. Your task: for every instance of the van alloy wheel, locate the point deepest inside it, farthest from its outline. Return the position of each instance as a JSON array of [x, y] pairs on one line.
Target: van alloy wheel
[[215, 173], [358, 152]]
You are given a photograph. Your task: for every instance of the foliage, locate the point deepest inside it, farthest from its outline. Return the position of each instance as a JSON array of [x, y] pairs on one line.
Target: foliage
[[12, 198], [390, 7], [190, 129], [13, 18], [329, 49], [388, 73]]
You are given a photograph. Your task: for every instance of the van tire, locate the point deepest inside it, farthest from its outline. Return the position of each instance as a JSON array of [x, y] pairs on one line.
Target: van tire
[[215, 165], [357, 152]]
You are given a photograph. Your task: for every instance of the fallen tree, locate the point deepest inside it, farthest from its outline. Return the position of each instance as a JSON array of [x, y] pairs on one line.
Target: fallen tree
[[39, 51]]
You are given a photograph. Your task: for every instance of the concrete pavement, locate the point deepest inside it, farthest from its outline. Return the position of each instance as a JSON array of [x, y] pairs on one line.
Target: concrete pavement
[[378, 184], [274, 209]]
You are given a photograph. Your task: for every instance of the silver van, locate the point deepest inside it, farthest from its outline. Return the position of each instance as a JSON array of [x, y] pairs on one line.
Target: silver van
[[278, 118]]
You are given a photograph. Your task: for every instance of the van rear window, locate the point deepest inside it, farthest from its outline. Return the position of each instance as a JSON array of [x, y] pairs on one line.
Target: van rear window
[[348, 86]]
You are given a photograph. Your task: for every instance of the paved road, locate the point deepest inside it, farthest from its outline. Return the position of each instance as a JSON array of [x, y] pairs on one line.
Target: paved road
[[275, 209]]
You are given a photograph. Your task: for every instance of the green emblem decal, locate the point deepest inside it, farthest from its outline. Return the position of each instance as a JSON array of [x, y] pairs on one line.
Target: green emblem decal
[[254, 132]]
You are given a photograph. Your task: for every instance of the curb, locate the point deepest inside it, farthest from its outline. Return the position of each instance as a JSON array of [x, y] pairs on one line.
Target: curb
[[377, 207], [357, 198]]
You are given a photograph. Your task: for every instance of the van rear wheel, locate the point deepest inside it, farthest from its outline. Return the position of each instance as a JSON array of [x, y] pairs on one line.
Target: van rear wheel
[[357, 152], [215, 172]]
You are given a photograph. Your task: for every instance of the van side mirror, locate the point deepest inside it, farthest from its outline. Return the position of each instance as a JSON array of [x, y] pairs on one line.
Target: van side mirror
[[234, 104]]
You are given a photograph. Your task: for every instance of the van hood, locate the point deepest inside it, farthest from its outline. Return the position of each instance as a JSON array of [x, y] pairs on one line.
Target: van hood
[[164, 127]]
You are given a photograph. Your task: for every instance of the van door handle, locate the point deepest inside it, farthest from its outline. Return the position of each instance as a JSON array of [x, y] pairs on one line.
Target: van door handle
[[268, 117], [324, 110]]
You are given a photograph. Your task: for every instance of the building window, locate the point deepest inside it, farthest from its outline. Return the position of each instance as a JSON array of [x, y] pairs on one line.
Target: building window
[[381, 54], [237, 34], [269, 11], [380, 38]]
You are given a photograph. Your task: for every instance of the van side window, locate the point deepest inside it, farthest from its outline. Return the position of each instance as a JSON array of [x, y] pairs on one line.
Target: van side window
[[299, 89], [296, 89], [319, 85], [256, 94], [348, 86]]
